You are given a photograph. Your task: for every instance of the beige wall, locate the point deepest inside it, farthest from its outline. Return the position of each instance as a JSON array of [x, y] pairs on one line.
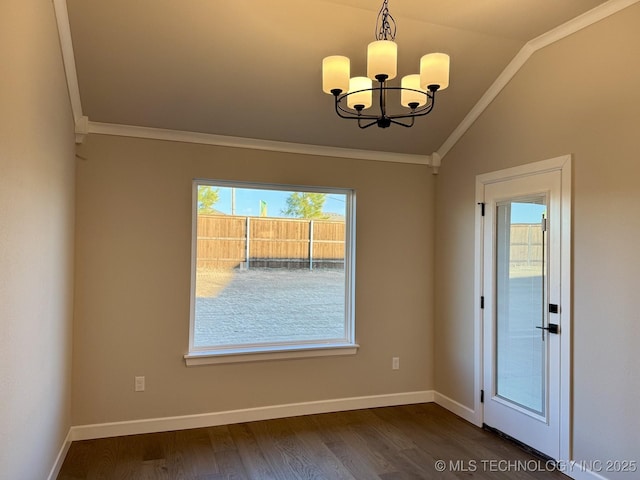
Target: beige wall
[[133, 271], [36, 241], [578, 96]]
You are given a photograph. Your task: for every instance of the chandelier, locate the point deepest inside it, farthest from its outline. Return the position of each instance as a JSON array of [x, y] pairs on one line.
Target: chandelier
[[417, 91]]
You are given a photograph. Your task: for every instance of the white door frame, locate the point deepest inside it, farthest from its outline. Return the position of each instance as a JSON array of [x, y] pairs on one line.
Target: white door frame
[[563, 164]]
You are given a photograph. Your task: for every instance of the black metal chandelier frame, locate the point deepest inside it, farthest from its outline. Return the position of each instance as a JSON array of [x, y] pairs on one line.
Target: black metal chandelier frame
[[385, 30], [384, 119]]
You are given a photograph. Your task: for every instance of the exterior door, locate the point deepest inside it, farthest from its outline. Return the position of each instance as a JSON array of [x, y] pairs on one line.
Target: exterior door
[[521, 320]]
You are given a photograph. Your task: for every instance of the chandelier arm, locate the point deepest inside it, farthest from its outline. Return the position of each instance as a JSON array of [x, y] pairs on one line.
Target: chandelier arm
[[413, 114], [347, 114], [425, 110], [409, 125], [370, 124], [339, 110]]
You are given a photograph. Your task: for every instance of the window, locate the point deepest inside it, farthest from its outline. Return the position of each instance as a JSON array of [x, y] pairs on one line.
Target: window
[[272, 272]]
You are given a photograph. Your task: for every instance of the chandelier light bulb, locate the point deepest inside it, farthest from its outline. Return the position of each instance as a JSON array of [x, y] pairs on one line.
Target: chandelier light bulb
[[357, 98], [434, 70], [409, 97], [382, 59], [336, 70]]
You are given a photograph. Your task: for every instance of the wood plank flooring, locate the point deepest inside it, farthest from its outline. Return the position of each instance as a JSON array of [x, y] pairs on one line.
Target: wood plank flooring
[[392, 443]]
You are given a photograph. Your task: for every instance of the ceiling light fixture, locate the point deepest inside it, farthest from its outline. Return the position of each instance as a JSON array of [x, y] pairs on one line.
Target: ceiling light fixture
[[417, 91]]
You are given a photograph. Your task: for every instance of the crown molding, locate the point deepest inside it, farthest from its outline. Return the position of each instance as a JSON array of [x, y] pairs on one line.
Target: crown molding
[[576, 24], [68, 58], [253, 143], [82, 128], [572, 26], [568, 28]]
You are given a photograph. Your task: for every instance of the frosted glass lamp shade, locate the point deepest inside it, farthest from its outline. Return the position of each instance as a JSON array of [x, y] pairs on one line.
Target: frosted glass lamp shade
[[336, 70], [434, 70], [382, 59], [360, 98], [410, 96]]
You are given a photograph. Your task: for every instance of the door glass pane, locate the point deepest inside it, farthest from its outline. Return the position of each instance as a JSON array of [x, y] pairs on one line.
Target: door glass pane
[[520, 278]]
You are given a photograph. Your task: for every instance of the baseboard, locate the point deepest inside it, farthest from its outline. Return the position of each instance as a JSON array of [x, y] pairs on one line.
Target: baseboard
[[457, 408], [57, 465], [152, 425], [578, 471], [575, 470]]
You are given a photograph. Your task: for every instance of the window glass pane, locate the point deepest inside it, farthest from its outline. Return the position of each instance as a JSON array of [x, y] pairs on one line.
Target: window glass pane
[[271, 267], [520, 280]]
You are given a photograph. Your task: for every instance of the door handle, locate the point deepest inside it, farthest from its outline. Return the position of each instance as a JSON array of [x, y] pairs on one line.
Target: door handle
[[552, 328]]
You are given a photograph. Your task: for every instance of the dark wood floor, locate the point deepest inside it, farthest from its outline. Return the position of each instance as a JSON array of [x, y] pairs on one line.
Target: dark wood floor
[[383, 443]]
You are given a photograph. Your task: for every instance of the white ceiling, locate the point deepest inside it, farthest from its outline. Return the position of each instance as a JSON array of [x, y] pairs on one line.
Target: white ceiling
[[251, 68]]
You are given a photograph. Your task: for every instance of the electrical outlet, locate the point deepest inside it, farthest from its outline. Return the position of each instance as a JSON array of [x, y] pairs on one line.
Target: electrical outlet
[[139, 384], [395, 363]]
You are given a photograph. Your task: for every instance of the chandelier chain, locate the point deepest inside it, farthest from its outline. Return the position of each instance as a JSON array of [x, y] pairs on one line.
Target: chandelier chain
[[385, 23]]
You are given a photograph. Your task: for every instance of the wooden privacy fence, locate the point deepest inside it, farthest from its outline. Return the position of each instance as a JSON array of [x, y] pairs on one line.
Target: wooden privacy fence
[[526, 245], [226, 241]]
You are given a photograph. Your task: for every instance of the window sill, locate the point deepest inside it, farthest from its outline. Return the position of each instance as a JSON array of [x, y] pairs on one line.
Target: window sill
[[280, 353]]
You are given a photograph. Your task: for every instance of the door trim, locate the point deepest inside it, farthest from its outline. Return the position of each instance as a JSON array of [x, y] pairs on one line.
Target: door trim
[[563, 164]]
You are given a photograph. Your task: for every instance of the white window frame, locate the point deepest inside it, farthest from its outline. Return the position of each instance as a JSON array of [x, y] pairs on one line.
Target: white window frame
[[279, 350]]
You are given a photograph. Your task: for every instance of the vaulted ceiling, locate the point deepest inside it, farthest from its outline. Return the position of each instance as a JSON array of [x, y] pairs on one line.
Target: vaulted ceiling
[[252, 68]]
